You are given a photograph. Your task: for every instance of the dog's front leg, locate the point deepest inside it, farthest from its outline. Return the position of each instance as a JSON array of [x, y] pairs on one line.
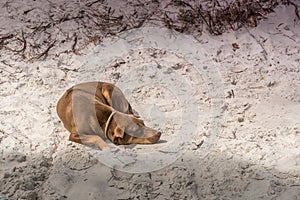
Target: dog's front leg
[[93, 140]]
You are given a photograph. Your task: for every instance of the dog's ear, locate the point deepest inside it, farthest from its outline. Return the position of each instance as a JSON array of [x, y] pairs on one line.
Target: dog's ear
[[136, 116], [119, 132]]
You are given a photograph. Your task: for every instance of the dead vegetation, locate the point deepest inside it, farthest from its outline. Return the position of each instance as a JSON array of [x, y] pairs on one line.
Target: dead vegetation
[[69, 29]]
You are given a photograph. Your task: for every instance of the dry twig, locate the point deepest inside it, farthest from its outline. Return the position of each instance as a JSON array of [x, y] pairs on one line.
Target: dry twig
[[44, 53]]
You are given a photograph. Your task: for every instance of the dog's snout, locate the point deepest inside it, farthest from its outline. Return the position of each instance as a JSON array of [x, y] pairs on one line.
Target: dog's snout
[[158, 134]]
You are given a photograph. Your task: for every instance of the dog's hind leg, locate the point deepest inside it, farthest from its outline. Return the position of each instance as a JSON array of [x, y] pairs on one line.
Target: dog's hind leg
[[74, 137]]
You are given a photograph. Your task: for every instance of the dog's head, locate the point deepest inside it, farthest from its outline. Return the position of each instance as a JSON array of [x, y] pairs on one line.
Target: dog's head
[[129, 129]]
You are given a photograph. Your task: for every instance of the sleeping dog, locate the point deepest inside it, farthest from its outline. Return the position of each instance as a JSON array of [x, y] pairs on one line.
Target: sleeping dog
[[94, 111]]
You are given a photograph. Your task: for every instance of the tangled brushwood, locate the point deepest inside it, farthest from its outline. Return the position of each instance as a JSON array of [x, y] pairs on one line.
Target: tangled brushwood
[[69, 27], [219, 16]]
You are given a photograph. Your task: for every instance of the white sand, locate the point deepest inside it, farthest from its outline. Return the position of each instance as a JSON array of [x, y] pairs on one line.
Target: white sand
[[230, 119]]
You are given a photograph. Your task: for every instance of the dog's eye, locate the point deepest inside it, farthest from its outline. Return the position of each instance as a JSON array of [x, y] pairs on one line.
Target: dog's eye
[[127, 130]]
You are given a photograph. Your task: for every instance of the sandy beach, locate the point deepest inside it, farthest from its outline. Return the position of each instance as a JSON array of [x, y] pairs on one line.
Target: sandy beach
[[227, 105]]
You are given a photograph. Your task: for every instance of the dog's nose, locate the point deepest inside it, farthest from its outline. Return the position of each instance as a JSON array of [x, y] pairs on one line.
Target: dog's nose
[[158, 134]]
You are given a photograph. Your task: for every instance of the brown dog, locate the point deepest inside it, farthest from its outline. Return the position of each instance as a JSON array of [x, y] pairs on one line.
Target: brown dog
[[94, 110]]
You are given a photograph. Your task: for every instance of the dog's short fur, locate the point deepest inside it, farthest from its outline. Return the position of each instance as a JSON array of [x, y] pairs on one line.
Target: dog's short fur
[[85, 109]]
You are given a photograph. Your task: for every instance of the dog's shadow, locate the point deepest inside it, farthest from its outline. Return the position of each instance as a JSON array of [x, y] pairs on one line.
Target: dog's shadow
[[130, 146], [161, 142]]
